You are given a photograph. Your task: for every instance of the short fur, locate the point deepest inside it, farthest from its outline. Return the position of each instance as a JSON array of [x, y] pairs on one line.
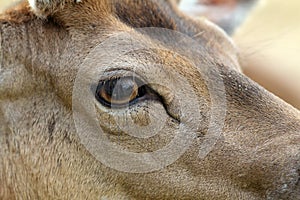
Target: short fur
[[41, 156]]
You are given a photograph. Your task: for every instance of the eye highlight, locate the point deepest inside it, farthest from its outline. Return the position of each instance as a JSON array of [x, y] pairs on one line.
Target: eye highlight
[[121, 91]]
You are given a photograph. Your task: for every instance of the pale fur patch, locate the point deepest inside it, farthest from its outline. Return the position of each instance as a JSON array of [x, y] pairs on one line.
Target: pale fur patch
[[32, 4], [191, 6]]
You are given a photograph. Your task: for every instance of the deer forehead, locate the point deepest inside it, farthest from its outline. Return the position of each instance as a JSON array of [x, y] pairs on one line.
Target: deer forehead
[[118, 15], [90, 21]]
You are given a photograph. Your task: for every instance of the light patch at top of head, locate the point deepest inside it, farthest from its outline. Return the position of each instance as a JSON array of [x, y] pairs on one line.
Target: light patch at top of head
[[34, 7], [32, 4], [191, 7]]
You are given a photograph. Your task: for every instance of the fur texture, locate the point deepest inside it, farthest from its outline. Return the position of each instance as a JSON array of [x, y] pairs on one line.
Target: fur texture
[[41, 156]]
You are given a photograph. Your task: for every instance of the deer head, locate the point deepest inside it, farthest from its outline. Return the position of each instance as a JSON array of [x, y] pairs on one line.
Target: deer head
[[229, 138]]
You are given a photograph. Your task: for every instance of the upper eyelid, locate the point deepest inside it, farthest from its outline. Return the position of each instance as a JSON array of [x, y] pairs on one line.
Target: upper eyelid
[[115, 73], [118, 73]]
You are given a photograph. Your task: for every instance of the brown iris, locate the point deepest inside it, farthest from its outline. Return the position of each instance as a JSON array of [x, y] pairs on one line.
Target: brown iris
[[119, 91]]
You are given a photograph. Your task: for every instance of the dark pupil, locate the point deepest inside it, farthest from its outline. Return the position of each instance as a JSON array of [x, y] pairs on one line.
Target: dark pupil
[[119, 89]]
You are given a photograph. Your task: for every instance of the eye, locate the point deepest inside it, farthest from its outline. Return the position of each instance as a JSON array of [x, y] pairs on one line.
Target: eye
[[119, 92]]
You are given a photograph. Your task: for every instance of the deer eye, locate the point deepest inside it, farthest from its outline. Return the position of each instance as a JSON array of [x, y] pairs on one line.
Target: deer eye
[[119, 92]]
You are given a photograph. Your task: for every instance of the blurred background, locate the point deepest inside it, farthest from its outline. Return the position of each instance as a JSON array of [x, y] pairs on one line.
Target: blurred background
[[5, 3], [269, 43]]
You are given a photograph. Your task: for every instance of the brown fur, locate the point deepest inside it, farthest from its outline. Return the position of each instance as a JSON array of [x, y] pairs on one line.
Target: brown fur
[[41, 156]]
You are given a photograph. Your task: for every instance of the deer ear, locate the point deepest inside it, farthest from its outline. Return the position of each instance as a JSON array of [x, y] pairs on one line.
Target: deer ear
[[228, 14], [44, 8]]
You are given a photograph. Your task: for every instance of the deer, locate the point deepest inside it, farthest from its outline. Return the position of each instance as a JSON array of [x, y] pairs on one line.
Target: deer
[[44, 46]]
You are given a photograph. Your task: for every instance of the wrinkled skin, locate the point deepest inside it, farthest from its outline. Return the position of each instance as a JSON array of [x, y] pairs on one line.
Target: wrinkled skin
[[257, 157]]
